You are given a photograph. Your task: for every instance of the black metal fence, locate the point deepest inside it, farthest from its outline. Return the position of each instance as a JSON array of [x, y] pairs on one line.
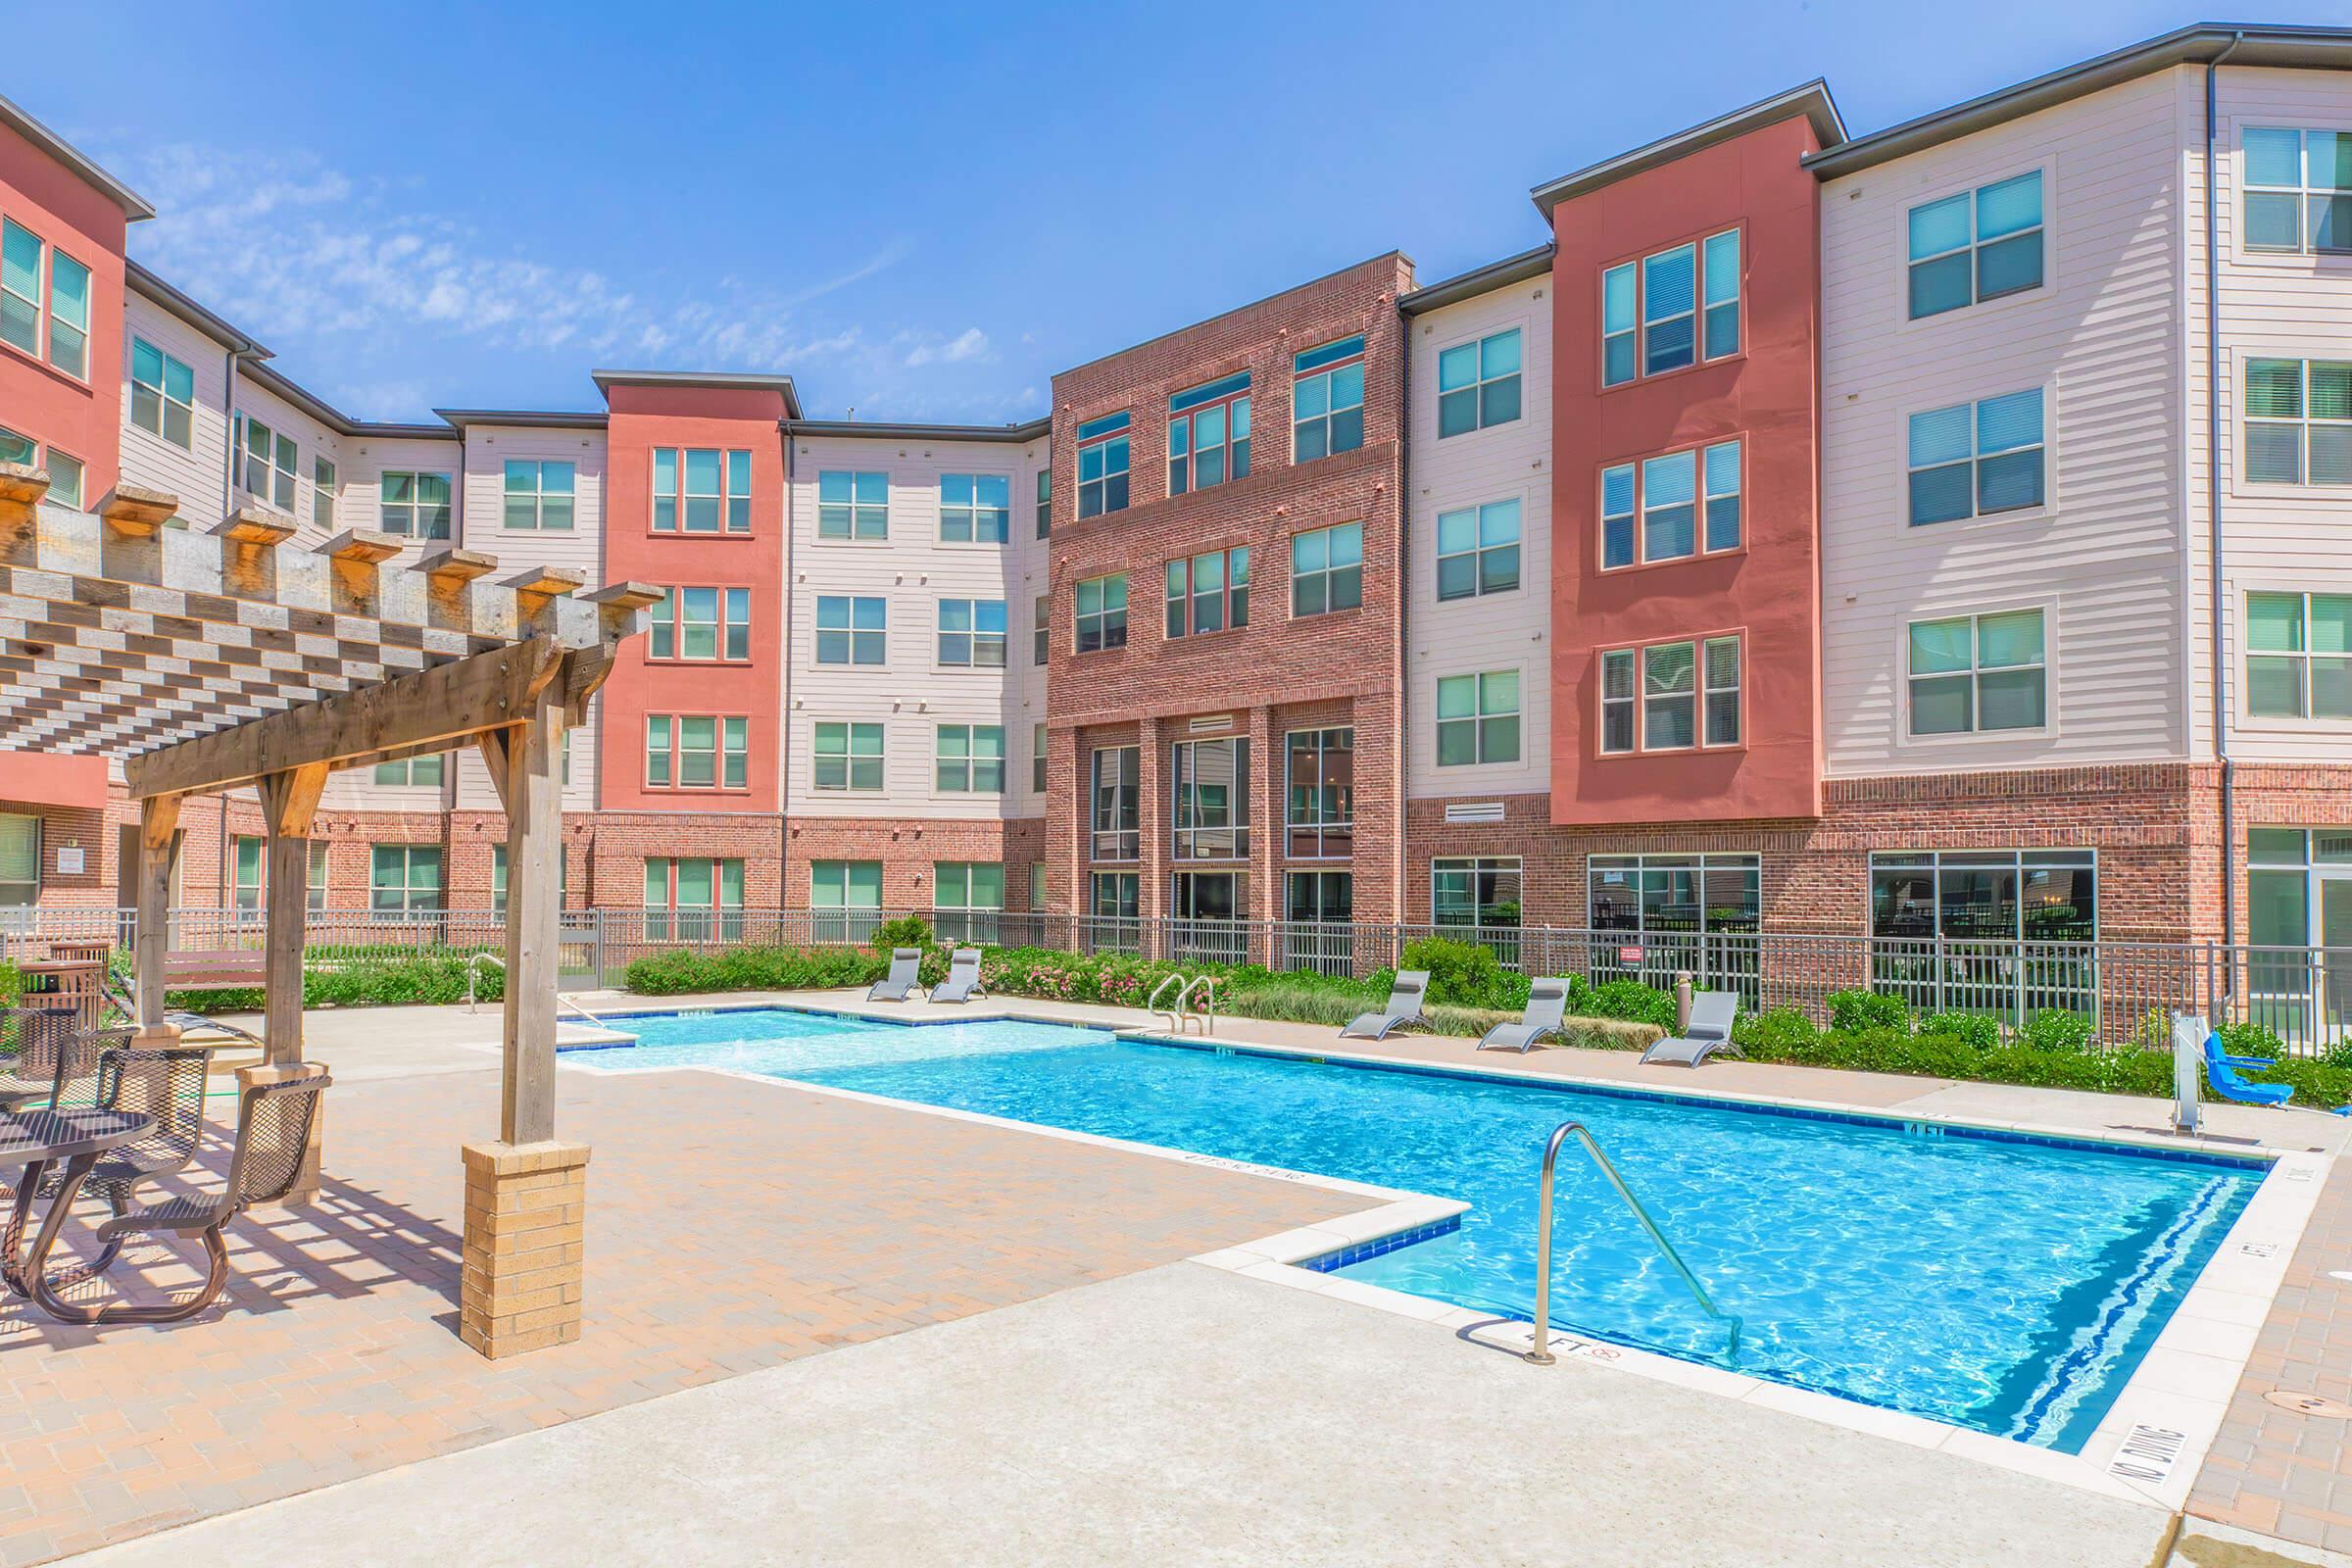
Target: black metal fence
[[2304, 994]]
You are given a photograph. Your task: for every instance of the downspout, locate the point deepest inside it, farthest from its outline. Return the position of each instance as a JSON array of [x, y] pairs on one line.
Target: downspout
[[1404, 859], [229, 431], [2213, 505], [784, 720]]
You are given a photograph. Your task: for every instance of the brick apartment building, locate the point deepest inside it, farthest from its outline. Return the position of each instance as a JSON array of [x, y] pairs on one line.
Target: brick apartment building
[[1809, 531]]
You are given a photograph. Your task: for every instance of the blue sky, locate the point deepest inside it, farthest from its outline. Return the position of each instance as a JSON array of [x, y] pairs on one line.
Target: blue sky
[[915, 210]]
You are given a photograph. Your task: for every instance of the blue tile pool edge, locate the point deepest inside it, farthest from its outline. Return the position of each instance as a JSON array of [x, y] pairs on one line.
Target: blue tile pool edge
[[1885, 1120], [1936, 1125]]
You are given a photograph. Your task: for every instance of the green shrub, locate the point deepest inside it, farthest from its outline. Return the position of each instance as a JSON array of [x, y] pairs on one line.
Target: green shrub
[[1464, 974], [1627, 999], [12, 984], [1868, 1009], [2056, 1029], [2253, 1039], [1778, 1034], [907, 931], [1981, 1030]]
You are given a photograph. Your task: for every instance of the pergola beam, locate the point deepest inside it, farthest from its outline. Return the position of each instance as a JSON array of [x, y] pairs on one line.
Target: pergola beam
[[431, 710]]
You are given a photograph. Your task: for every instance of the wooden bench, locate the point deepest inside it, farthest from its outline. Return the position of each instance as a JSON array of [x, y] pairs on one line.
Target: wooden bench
[[228, 969]]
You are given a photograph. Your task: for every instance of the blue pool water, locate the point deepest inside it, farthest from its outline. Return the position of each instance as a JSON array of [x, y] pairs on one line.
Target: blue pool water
[[2008, 1286]]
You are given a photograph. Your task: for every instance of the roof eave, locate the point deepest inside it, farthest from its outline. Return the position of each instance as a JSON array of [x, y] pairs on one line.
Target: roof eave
[[1528, 263], [147, 285], [607, 380], [523, 418], [1812, 100], [2290, 47], [916, 430], [134, 205]]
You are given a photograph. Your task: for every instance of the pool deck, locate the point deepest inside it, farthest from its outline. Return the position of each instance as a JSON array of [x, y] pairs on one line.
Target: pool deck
[[1041, 1402]]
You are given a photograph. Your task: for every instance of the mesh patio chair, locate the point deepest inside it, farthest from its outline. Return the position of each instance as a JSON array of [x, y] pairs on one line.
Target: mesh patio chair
[[30, 1039], [165, 1084], [274, 1129], [80, 1064]]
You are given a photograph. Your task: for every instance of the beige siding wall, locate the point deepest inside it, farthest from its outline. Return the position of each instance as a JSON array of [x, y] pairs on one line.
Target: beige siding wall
[[2102, 337], [311, 441], [1491, 631], [197, 475], [911, 695], [2272, 306]]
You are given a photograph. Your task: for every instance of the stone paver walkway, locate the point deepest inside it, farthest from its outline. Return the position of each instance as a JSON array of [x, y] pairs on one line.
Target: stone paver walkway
[[731, 1227], [2280, 1471]]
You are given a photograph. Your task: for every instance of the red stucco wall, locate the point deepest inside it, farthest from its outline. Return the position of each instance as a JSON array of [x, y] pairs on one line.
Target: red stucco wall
[[1767, 395]]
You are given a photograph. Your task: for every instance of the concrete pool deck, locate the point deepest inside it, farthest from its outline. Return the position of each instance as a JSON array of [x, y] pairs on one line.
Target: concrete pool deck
[[394, 1043], [1184, 1416]]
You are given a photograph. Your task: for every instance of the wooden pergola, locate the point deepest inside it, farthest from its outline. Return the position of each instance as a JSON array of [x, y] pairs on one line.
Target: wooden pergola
[[213, 662]]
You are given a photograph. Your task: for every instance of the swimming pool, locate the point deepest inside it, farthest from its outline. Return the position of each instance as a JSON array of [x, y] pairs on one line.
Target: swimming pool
[[2008, 1285]]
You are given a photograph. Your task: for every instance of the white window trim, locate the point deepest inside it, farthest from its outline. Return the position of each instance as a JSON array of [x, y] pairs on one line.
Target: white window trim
[[1425, 588], [2051, 674], [847, 789], [2333, 497], [2052, 456], [1534, 375], [1457, 772], [939, 512], [1989, 175], [2233, 211], [2242, 626], [130, 342], [1000, 670], [1699, 641]]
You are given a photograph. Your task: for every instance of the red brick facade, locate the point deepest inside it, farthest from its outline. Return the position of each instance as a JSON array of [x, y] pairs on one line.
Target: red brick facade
[[1259, 681]]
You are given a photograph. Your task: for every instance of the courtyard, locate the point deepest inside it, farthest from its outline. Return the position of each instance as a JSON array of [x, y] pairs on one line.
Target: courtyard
[[823, 1328]]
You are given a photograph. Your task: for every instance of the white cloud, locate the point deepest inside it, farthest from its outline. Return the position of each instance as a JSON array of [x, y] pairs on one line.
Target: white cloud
[[969, 344], [355, 275]]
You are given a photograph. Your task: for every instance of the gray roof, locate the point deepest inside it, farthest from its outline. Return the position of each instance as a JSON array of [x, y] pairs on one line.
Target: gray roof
[[334, 418], [607, 380], [1812, 100], [144, 282], [134, 205], [1480, 281], [525, 419], [2325, 48], [882, 430]]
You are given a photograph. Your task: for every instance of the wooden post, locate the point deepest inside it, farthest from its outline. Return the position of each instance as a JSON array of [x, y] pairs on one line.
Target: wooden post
[[159, 827], [520, 1286], [289, 801], [534, 796]]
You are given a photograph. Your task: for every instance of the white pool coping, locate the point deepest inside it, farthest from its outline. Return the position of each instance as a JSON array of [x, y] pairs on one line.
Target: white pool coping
[[2146, 1450]]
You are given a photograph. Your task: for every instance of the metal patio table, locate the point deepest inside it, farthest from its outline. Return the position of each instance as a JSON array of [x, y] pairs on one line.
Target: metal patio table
[[37, 1140]]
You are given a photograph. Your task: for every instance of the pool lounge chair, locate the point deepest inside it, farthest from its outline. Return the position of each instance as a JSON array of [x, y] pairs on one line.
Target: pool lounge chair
[[1546, 1004], [963, 982], [905, 962], [2221, 1072], [1708, 1032], [1402, 1011]]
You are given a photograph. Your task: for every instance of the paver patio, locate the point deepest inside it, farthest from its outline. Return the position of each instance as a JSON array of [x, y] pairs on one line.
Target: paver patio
[[733, 1227]]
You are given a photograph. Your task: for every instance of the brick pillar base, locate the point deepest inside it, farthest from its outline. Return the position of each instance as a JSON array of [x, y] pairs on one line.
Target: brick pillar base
[[526, 1217]]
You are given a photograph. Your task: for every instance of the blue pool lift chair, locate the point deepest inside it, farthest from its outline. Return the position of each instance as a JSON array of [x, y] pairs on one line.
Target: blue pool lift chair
[[2221, 1072]]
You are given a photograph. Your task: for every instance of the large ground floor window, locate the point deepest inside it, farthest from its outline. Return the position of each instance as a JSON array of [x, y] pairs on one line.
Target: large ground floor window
[[20, 861], [1985, 895], [1656, 917], [1208, 906], [693, 898], [2298, 899], [2007, 931], [1320, 905], [1481, 891], [1114, 906], [405, 879], [845, 899], [968, 900]]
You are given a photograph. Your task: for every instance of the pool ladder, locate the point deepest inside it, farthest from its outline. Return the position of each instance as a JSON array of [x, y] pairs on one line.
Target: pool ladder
[[1179, 1011], [1539, 1352]]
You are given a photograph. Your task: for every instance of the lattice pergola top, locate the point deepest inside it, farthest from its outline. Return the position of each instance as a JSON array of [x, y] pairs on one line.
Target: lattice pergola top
[[119, 636]]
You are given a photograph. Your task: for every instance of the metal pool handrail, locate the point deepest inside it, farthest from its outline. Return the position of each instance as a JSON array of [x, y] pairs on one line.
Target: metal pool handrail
[[1539, 1353]]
